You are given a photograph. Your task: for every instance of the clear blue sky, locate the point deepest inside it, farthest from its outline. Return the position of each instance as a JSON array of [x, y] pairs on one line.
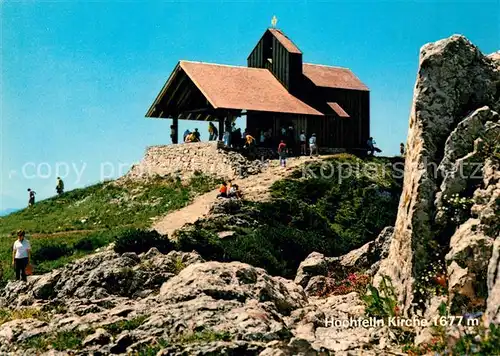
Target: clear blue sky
[[78, 77]]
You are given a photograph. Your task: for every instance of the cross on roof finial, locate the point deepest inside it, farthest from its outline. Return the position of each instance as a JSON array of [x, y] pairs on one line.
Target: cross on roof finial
[[274, 21]]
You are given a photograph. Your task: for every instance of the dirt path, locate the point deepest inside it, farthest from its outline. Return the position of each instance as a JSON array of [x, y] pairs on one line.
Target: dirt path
[[254, 188]]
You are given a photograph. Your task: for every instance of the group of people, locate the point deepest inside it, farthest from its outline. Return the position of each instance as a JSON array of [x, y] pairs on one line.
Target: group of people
[[229, 190], [234, 138], [32, 193], [284, 150], [192, 136]]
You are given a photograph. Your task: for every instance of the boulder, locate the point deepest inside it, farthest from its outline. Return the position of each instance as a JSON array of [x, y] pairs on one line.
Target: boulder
[[368, 256], [366, 259], [232, 281], [316, 264], [317, 285]]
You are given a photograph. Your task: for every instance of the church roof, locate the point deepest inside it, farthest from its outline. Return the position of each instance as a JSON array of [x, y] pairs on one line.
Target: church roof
[[239, 88]]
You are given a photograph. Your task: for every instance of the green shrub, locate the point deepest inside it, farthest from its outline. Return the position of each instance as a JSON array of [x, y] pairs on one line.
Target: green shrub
[[206, 243], [122, 325], [50, 250], [61, 341], [381, 302], [484, 342], [138, 241]]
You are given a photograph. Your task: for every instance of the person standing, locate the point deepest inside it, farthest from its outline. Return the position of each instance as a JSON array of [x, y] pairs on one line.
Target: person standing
[[213, 133], [31, 200], [303, 145], [313, 146], [290, 140], [282, 153], [197, 135], [59, 186], [402, 149], [227, 138], [21, 255]]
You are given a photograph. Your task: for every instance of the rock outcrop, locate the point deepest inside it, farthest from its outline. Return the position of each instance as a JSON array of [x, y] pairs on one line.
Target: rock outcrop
[[194, 307], [456, 100], [100, 276], [318, 269]]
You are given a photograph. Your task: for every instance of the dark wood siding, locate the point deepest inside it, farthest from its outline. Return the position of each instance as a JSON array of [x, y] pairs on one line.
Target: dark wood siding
[[271, 54], [261, 52], [331, 130], [335, 131]]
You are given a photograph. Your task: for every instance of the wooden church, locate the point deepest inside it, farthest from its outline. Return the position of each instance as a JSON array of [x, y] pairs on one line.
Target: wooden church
[[277, 89]]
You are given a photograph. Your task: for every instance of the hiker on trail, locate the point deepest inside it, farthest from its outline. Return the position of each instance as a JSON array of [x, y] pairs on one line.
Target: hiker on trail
[[303, 146], [197, 135], [59, 186], [21, 255], [186, 134], [222, 191], [313, 146], [213, 132], [402, 149], [31, 200], [282, 151]]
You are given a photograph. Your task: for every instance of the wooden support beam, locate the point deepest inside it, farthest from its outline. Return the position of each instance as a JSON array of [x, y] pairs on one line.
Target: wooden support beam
[[175, 129], [221, 127]]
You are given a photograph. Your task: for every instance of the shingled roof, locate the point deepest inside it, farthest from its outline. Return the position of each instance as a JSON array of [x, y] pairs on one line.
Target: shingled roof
[[243, 88], [332, 77]]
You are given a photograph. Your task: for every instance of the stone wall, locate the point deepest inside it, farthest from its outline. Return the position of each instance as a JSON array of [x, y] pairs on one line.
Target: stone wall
[[186, 158]]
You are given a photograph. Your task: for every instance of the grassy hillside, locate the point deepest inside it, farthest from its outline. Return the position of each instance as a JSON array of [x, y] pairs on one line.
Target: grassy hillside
[[331, 213], [73, 224]]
